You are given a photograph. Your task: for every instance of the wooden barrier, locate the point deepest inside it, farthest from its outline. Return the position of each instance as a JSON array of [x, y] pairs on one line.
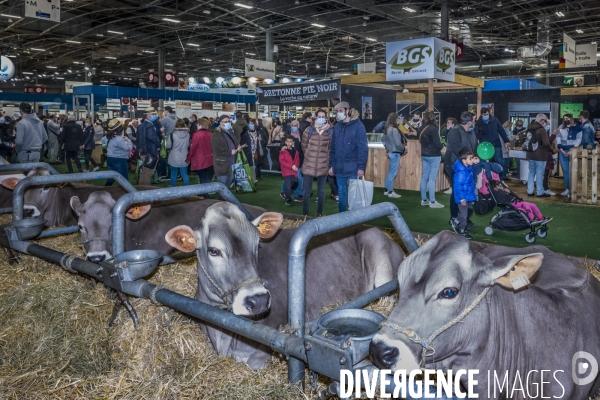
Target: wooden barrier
[[584, 175]]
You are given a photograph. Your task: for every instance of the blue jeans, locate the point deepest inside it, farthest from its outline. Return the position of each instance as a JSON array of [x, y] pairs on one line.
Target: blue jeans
[[184, 175], [299, 189], [565, 163], [498, 159], [392, 171], [536, 172], [118, 165], [342, 183], [431, 166]]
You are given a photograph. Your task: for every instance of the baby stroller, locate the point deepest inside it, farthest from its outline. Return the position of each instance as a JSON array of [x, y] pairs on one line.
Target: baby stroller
[[509, 218]]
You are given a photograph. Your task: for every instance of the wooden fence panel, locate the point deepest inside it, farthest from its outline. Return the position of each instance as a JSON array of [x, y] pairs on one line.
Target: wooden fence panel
[[584, 177]]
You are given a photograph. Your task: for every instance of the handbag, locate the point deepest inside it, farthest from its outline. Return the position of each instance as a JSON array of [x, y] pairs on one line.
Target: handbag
[[360, 193], [242, 175], [150, 161]]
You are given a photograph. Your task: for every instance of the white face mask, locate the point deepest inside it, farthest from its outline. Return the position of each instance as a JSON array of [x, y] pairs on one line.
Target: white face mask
[[341, 116], [227, 125], [321, 121]]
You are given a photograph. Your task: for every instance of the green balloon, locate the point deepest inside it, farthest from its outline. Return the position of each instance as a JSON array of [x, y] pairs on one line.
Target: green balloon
[[485, 151]]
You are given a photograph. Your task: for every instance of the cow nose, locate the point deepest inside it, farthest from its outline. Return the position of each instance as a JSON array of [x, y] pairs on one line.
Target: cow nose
[[28, 212], [257, 303], [96, 258], [383, 355]]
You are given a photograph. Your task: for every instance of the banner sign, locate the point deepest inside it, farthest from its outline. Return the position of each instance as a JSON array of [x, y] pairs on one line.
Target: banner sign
[[585, 56], [460, 49], [196, 106], [69, 85], [217, 106], [365, 69], [167, 103], [43, 9], [259, 69], [568, 48], [299, 92], [113, 104], [420, 59], [241, 106], [7, 68], [143, 104]]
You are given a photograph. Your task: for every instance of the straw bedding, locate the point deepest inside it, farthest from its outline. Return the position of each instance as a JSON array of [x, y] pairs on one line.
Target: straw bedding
[[55, 342]]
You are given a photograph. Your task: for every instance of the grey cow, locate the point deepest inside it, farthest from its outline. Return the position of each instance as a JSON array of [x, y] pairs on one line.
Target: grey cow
[[513, 334], [339, 266]]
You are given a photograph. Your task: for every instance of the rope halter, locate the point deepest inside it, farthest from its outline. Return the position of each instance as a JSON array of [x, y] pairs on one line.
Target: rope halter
[[427, 343]]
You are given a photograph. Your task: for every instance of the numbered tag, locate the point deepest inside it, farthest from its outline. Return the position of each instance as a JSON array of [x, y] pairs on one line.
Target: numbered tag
[[518, 280]]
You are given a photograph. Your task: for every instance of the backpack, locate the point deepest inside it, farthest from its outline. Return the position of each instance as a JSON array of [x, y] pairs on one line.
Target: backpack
[[530, 143]]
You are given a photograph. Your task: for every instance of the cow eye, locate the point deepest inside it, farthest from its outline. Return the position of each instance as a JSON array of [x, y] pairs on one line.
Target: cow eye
[[448, 293], [214, 252]]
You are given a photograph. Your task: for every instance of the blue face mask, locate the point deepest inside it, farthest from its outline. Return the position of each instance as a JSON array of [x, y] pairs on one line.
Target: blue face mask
[[486, 118], [294, 129], [472, 128], [227, 125], [547, 127], [251, 127], [153, 118]]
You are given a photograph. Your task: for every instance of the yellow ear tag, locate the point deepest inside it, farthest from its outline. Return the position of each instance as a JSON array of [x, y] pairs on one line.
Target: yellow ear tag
[[136, 212], [188, 242], [264, 228]]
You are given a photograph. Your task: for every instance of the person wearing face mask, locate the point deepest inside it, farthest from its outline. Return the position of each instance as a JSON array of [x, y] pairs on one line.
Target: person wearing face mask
[[349, 150], [392, 141], [431, 156], [414, 126], [489, 129], [225, 146], [255, 151], [567, 137], [316, 141], [294, 132], [53, 134], [193, 124], [89, 145], [587, 130], [148, 143], [538, 158], [461, 136]]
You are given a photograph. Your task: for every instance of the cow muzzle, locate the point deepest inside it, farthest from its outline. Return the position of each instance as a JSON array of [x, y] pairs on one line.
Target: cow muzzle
[[251, 301], [31, 211], [258, 303], [392, 354]]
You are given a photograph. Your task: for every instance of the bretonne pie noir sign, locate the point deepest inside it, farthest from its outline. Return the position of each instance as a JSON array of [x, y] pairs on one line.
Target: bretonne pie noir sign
[[299, 92]]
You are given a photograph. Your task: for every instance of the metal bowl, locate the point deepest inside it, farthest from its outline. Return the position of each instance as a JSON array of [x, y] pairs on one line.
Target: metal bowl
[[29, 228], [136, 264]]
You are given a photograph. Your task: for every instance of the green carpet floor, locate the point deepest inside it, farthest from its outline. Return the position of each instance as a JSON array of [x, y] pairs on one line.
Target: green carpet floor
[[574, 230]]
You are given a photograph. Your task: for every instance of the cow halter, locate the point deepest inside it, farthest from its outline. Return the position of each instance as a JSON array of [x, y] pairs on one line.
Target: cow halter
[[428, 350], [94, 239], [224, 295]]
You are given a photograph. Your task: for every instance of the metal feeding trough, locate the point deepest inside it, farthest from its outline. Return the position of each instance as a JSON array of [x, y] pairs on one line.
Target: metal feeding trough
[[28, 228], [135, 264]]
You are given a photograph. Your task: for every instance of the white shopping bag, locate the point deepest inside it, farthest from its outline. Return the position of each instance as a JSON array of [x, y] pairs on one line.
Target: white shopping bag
[[360, 193]]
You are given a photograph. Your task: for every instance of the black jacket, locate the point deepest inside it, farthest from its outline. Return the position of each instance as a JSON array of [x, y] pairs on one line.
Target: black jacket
[[458, 139], [71, 136], [88, 138], [491, 132], [261, 145], [148, 141], [430, 142]]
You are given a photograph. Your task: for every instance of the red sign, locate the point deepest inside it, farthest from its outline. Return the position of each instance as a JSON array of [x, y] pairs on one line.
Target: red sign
[[170, 78], [460, 49], [39, 90], [125, 100]]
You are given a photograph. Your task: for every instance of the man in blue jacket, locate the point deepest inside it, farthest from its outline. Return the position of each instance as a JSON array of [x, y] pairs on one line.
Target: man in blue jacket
[[587, 130], [349, 150], [148, 143], [489, 129]]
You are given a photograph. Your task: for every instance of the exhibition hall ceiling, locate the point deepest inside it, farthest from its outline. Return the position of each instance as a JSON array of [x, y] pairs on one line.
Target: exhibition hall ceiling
[[118, 40]]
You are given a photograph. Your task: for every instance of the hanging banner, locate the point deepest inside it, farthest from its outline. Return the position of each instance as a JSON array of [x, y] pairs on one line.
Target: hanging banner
[[113, 104], [217, 106], [460, 49], [568, 48], [196, 106], [241, 106], [365, 69], [420, 59], [142, 104], [259, 69], [7, 68], [43, 9], [299, 92], [585, 56], [69, 85]]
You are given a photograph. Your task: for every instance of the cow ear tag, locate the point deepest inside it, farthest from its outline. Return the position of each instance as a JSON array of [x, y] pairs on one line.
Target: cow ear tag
[[518, 279], [518, 270], [268, 224]]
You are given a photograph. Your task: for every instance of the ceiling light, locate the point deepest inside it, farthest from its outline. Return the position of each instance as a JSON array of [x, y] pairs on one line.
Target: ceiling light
[[381, 62], [169, 65], [348, 55], [69, 71], [206, 12], [454, 28], [250, 54], [193, 44], [111, 58], [77, 62], [115, 32], [59, 77], [318, 66], [486, 41], [206, 59], [72, 41], [560, 14], [333, 67], [538, 75], [250, 36], [171, 20], [34, 49], [243, 5], [86, 68], [107, 72], [318, 25], [409, 9], [220, 80], [206, 80], [51, 66], [305, 47], [27, 73], [578, 31], [103, 81], [252, 79], [285, 80], [147, 51], [345, 74], [10, 16], [135, 68], [371, 39], [509, 50], [99, 34], [499, 4]]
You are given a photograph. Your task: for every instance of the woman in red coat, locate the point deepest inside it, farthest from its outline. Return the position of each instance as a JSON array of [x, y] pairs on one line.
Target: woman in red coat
[[200, 155]]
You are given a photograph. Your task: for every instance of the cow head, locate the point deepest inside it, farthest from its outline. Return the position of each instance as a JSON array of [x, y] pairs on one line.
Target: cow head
[[227, 247], [95, 223], [36, 198], [437, 283]]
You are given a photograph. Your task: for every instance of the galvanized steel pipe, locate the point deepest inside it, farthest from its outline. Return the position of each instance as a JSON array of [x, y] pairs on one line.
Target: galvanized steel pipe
[[120, 208]]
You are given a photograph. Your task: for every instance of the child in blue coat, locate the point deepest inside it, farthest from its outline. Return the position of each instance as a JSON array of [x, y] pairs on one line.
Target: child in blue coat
[[464, 189]]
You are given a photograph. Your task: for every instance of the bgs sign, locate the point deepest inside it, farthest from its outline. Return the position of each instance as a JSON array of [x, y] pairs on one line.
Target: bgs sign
[[295, 93], [420, 59], [7, 68]]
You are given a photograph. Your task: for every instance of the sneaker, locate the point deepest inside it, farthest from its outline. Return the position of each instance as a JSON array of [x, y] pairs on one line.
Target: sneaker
[[471, 224], [546, 220], [282, 195], [565, 193], [449, 191], [337, 199], [95, 169], [317, 200], [543, 195], [530, 194], [288, 202], [550, 192], [298, 199], [454, 224], [393, 195], [465, 234], [434, 204], [425, 202], [385, 192]]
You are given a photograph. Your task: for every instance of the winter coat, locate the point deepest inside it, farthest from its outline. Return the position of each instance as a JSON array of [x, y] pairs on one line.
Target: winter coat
[[71, 136], [286, 162], [88, 138], [278, 134], [303, 125], [550, 160], [463, 186], [541, 153], [222, 158], [431, 145], [30, 134], [349, 147], [392, 140], [297, 146], [588, 135], [179, 147], [491, 131], [168, 123], [98, 132], [316, 146], [193, 126], [260, 156], [53, 128], [238, 127], [131, 133], [568, 138], [148, 141], [118, 147], [458, 139], [200, 155]]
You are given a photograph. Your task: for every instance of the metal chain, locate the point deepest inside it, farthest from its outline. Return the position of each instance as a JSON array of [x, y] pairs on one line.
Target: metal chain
[[153, 294], [169, 312]]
